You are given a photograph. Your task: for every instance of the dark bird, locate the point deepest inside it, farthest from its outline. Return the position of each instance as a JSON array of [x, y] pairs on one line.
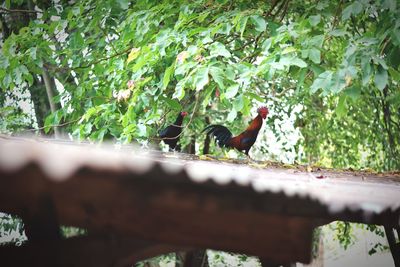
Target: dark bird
[[170, 134], [242, 142]]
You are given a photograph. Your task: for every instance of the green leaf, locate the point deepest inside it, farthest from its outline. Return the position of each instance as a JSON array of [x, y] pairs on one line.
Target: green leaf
[[124, 4], [366, 70], [29, 78], [289, 49], [7, 80], [352, 9], [141, 130], [315, 55], [354, 92], [341, 108], [201, 78], [76, 40], [4, 63], [314, 20], [338, 32], [241, 26], [356, 7], [394, 74], [231, 91], [395, 34], [317, 41], [381, 78], [238, 103], [381, 61], [259, 23], [87, 128], [232, 115], [347, 12], [218, 76], [141, 62], [135, 52], [32, 52], [255, 96], [99, 135], [266, 45], [338, 82], [298, 62], [167, 75], [48, 123], [173, 104], [218, 49], [203, 16], [180, 90], [51, 120], [322, 81], [390, 4]]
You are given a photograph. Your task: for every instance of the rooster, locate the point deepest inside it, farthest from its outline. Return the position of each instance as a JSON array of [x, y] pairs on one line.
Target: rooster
[[170, 134], [242, 142]]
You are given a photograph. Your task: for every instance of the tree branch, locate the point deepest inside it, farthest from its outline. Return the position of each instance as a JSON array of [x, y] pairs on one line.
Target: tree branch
[[285, 8], [102, 59], [53, 125], [6, 10], [272, 8], [110, 41], [49, 85]]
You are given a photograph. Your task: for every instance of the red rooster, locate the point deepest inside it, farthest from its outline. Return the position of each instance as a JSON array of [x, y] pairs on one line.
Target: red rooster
[[170, 135], [245, 140]]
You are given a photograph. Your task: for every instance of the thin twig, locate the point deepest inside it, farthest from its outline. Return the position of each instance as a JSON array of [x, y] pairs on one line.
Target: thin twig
[[336, 18], [55, 68], [102, 59], [110, 41], [384, 45], [53, 125], [19, 10]]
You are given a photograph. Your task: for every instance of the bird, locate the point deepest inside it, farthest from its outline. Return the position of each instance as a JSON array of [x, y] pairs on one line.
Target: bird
[[170, 134], [244, 141]]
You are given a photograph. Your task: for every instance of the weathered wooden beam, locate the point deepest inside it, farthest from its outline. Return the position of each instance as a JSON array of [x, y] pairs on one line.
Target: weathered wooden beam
[[174, 213], [89, 251], [268, 213]]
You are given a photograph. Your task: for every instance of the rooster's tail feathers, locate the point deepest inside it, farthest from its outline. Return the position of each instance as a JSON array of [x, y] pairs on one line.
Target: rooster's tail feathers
[[221, 134]]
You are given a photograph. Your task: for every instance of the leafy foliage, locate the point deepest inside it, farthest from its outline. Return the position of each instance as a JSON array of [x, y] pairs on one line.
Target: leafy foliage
[[344, 234], [11, 230], [68, 231], [219, 59]]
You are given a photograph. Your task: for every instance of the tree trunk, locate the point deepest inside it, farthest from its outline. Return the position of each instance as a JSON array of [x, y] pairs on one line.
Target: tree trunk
[[50, 90], [40, 104], [206, 148]]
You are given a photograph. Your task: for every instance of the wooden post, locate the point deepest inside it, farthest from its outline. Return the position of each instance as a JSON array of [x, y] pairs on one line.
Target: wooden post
[[394, 247], [192, 258], [206, 148]]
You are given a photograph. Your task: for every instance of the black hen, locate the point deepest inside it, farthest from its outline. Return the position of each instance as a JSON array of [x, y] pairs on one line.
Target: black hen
[[170, 135]]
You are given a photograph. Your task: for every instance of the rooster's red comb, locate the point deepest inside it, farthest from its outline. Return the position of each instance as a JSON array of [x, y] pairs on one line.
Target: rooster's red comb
[[262, 109]]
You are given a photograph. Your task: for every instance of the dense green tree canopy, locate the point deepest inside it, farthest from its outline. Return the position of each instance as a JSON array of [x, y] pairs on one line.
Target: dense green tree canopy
[[127, 68]]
